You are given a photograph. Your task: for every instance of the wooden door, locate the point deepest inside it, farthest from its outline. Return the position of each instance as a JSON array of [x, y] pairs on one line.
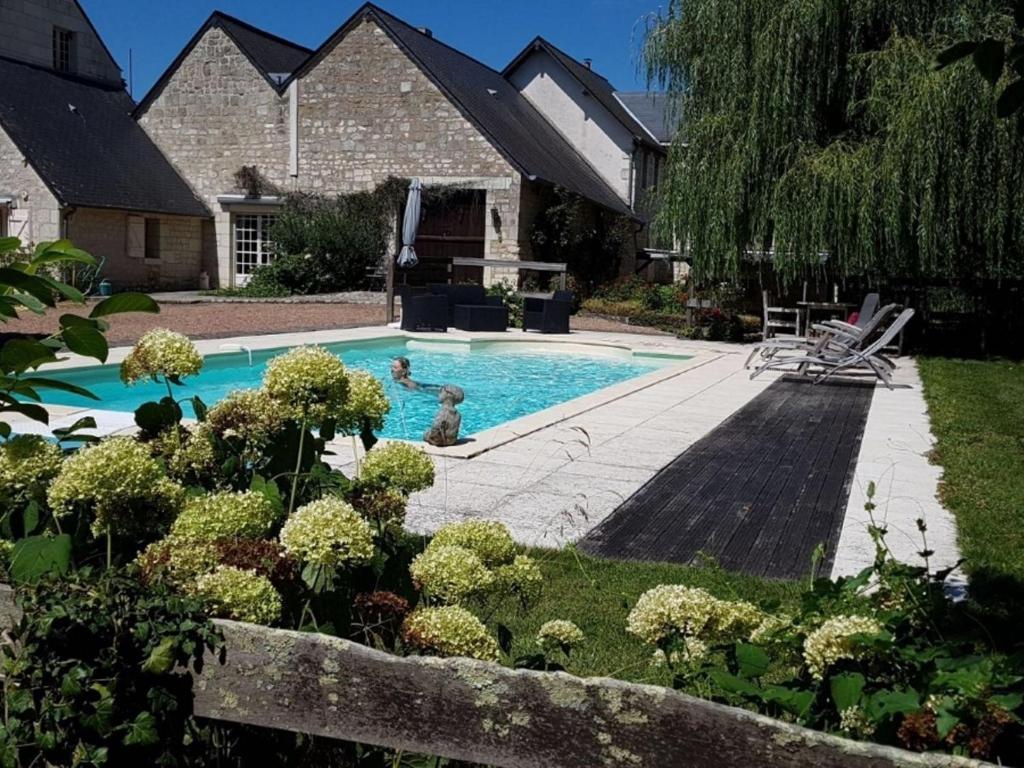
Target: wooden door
[[452, 225]]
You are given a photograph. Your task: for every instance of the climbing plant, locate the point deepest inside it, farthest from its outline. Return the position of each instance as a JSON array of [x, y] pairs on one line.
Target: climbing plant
[[821, 129]]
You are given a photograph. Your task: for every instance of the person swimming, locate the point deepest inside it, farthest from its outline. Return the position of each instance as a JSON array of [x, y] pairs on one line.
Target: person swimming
[[401, 374]]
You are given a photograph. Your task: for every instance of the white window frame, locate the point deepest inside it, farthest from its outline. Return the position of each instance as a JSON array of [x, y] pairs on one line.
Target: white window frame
[[254, 248]]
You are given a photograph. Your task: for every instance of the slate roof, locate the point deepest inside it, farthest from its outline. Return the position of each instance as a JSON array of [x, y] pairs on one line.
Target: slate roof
[[497, 109], [271, 55], [80, 137], [653, 110], [595, 85]]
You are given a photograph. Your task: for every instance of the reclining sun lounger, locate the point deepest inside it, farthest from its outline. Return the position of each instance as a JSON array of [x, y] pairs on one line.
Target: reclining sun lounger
[[836, 357]]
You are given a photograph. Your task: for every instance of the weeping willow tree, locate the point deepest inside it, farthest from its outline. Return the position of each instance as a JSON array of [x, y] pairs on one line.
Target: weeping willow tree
[[813, 127]]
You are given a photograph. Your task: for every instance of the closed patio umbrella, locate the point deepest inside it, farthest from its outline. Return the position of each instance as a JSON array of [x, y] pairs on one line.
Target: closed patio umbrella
[[407, 256]]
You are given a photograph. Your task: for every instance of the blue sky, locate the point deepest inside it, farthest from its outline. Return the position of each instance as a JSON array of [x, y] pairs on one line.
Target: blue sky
[[607, 31]]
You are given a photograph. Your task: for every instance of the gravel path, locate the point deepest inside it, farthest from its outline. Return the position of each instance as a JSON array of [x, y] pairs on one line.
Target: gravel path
[[216, 320]]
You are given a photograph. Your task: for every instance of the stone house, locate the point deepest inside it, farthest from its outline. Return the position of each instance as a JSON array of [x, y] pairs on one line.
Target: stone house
[[379, 98], [625, 136], [73, 161]]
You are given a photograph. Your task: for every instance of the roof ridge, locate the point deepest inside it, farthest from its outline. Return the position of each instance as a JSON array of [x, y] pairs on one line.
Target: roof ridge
[[431, 37], [574, 60], [218, 14]]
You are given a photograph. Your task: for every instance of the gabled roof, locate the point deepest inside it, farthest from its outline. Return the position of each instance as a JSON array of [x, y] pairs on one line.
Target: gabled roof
[[272, 56], [492, 104], [80, 137], [593, 84], [653, 110]]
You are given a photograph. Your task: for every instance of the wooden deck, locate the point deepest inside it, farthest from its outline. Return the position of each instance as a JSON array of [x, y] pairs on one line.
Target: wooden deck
[[758, 493]]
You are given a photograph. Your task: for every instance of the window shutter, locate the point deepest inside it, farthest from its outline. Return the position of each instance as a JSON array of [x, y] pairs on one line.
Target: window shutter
[[136, 237]]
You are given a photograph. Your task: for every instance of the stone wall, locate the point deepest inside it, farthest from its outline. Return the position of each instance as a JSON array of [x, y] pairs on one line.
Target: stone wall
[[367, 112], [216, 114], [36, 213], [104, 234], [26, 33]]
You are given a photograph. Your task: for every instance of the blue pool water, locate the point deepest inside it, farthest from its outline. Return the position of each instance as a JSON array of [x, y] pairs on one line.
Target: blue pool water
[[500, 384]]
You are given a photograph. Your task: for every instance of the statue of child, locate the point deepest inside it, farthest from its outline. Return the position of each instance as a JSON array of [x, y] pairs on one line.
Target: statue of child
[[445, 429]]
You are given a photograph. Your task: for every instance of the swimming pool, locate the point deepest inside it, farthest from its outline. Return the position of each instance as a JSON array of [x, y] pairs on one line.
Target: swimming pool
[[502, 382]]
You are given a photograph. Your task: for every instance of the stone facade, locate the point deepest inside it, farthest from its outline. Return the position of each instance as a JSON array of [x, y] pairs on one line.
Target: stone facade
[[35, 215], [26, 34], [178, 249], [364, 112]]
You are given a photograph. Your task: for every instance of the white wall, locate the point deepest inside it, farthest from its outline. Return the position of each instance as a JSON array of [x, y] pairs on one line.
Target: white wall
[[587, 125], [26, 34]]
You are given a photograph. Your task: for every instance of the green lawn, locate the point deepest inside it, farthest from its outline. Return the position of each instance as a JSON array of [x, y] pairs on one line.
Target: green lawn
[[977, 411], [598, 595]]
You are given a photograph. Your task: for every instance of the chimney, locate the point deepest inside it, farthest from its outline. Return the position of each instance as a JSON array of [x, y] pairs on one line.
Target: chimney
[[426, 31], [588, 63]]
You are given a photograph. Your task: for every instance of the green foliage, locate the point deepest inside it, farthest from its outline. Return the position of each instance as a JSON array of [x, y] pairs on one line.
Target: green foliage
[[26, 284], [98, 673], [994, 57], [331, 241], [814, 126], [589, 239]]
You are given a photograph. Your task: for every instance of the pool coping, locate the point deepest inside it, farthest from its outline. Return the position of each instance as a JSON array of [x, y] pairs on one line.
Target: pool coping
[[579, 342]]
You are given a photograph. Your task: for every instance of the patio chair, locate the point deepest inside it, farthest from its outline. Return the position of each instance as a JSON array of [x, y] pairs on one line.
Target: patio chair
[[548, 315], [780, 321], [833, 333], [847, 359], [423, 311]]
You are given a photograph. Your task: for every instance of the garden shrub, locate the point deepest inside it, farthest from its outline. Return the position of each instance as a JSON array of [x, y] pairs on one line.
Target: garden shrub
[[327, 244], [99, 674]]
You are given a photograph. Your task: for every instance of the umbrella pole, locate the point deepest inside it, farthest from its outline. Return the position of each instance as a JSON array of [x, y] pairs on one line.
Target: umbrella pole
[[390, 288]]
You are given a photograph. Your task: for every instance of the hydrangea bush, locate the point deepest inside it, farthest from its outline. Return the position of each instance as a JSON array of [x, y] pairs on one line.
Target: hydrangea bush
[[28, 464], [160, 354], [309, 382], [449, 631], [401, 466]]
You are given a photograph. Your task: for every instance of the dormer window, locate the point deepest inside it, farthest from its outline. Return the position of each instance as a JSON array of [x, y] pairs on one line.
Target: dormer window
[[63, 42]]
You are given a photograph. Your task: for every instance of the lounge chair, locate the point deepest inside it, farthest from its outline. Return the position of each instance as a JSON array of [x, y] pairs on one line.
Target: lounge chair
[[834, 333], [840, 359], [548, 315]]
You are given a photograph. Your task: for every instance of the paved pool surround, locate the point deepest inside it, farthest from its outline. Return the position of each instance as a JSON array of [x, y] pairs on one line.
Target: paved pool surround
[[554, 475]]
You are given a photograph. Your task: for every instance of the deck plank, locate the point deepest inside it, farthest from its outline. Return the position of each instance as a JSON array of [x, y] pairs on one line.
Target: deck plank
[[758, 494]]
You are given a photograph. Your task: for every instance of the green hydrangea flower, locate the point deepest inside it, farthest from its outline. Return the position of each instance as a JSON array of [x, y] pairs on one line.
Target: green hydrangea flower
[[449, 631], [487, 539], [227, 514], [328, 532], [367, 404], [397, 465], [250, 415], [188, 453], [521, 578], [178, 562], [450, 574], [674, 610], [233, 593], [559, 634], [122, 485], [832, 641], [161, 353], [310, 382], [28, 464]]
